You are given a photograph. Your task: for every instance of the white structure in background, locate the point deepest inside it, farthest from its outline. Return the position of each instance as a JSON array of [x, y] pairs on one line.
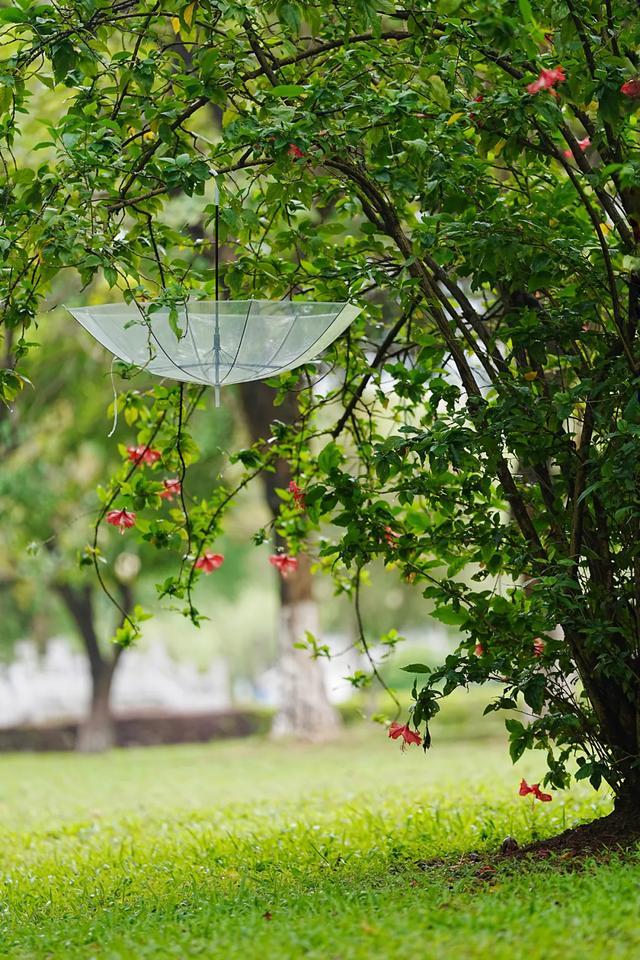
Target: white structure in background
[[36, 689]]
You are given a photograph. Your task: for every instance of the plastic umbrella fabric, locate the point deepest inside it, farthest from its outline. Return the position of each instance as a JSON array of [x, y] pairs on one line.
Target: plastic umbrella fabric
[[219, 342]]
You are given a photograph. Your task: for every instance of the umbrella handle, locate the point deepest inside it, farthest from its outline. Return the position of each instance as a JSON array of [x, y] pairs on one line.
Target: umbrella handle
[[216, 249]]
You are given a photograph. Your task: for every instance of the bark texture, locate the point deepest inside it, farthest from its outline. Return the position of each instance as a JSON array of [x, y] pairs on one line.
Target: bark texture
[[96, 733], [304, 710]]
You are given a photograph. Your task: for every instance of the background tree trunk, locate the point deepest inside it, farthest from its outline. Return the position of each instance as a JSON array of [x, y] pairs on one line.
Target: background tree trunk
[[96, 733], [304, 710]]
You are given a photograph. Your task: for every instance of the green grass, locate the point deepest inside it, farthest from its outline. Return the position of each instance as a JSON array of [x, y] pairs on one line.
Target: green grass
[[254, 850]]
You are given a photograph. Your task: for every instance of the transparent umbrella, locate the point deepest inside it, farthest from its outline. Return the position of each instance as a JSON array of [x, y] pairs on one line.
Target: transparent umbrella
[[219, 342]]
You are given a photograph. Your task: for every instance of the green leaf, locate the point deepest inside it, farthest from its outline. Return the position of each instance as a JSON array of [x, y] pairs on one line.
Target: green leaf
[[416, 668], [286, 90], [534, 692], [526, 11], [11, 15], [439, 92], [330, 457], [449, 616], [290, 14]]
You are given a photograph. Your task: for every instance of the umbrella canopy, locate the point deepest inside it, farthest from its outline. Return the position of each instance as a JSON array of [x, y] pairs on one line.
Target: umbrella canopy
[[219, 342]]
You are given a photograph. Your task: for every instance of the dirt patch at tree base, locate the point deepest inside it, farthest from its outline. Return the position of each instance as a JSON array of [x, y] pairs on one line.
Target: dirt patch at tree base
[[619, 831]]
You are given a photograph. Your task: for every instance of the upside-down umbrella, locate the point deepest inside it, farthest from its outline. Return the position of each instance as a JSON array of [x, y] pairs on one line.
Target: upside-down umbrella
[[221, 341]]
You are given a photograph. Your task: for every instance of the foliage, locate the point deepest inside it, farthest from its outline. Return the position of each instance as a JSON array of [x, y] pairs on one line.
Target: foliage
[[421, 160]]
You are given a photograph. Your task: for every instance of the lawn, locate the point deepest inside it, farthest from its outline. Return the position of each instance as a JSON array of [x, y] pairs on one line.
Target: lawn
[[249, 849]]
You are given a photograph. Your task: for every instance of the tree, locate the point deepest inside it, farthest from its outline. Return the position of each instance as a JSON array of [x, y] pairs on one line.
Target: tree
[[55, 451], [480, 163], [304, 709]]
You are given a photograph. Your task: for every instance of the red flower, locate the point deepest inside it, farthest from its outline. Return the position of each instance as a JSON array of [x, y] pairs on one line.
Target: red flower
[[171, 490], [631, 88], [478, 99], [298, 494], [479, 650], [391, 536], [121, 518], [525, 789], [547, 79], [538, 647], [143, 455], [295, 152], [583, 144], [284, 563], [209, 562], [397, 730]]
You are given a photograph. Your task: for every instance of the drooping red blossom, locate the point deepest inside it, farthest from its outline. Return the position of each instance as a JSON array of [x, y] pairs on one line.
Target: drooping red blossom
[[547, 79], [397, 730], [172, 488], [121, 519], [534, 789], [583, 144], [631, 88], [391, 536], [144, 455], [538, 647], [283, 563], [209, 562], [295, 152], [479, 650], [539, 795], [298, 494], [478, 99]]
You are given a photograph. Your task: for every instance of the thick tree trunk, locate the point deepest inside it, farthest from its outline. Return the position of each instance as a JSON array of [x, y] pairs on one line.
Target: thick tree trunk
[[304, 709], [96, 733]]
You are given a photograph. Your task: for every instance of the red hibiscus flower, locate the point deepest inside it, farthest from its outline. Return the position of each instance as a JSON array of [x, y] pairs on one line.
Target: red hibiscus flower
[[209, 562], [479, 650], [547, 79], [283, 563], [391, 536], [143, 455], [295, 152], [121, 518], [631, 88], [478, 99], [583, 144], [534, 789], [538, 647], [171, 490], [298, 494], [397, 730]]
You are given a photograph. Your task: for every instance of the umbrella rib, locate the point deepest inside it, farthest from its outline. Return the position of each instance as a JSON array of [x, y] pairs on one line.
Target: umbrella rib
[[319, 337], [269, 362], [169, 358], [240, 342]]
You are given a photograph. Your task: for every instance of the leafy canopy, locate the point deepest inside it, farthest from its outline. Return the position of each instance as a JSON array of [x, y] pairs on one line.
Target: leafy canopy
[[467, 170]]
